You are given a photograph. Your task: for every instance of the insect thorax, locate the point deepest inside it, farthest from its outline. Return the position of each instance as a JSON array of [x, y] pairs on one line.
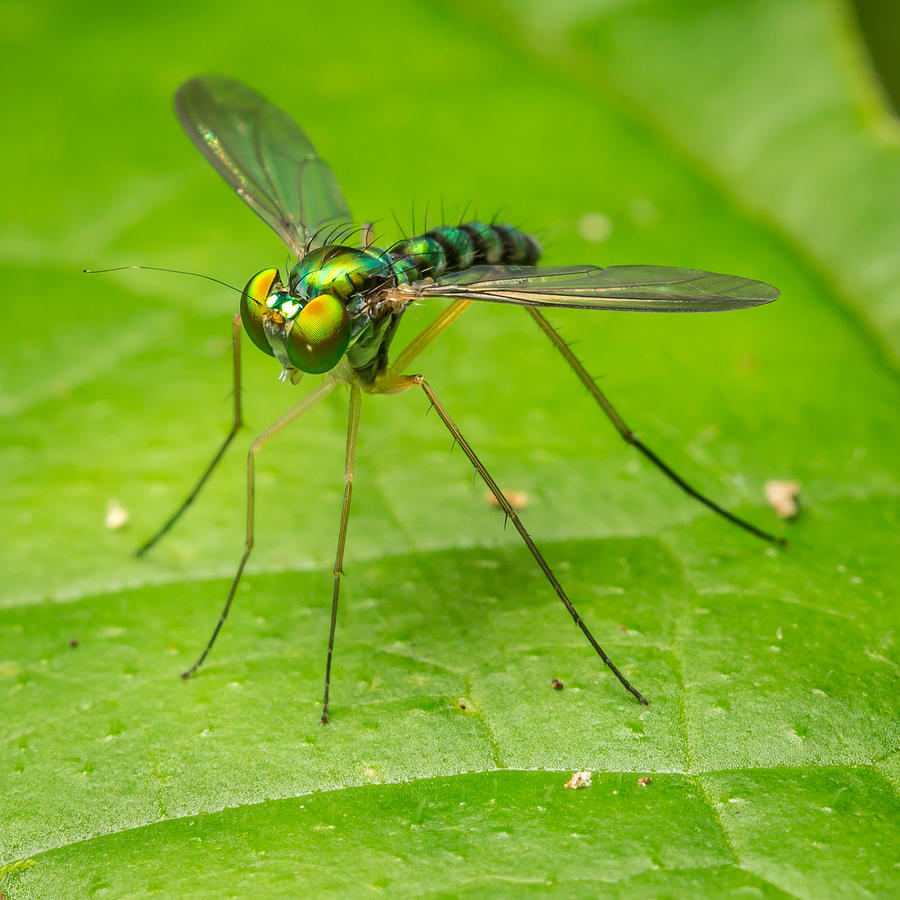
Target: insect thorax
[[354, 284]]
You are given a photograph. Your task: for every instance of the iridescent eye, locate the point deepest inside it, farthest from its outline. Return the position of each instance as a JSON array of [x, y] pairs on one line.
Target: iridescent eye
[[253, 306], [319, 335]]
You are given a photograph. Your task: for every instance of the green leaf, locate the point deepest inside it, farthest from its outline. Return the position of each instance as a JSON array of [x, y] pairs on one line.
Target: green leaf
[[738, 138]]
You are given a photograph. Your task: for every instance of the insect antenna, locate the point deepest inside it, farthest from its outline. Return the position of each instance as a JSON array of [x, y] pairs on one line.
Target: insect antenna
[[159, 269]]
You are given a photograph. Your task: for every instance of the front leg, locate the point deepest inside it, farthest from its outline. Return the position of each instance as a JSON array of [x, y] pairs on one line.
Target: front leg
[[236, 329]]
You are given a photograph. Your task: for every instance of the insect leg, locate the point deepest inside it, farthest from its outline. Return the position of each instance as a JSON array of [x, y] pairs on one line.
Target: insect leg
[[628, 435], [422, 340], [352, 432], [236, 329], [308, 402], [513, 517]]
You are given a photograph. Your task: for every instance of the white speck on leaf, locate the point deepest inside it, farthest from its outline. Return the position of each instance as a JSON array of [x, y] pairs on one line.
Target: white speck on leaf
[[782, 497], [579, 780], [116, 516]]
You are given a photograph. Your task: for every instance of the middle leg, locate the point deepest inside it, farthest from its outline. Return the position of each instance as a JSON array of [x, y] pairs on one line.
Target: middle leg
[[309, 401], [400, 383], [352, 432]]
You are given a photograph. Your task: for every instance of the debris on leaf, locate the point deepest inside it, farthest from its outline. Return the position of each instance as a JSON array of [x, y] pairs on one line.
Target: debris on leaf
[[579, 780], [516, 499], [116, 516], [643, 782], [782, 497], [73, 642], [556, 684]]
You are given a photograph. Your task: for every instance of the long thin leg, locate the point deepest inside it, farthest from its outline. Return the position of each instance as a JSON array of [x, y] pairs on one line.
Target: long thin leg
[[236, 328], [352, 432], [308, 402], [409, 381], [424, 338], [628, 435]]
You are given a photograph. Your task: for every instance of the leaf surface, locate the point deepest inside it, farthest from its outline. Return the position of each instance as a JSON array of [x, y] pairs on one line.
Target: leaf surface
[[771, 739]]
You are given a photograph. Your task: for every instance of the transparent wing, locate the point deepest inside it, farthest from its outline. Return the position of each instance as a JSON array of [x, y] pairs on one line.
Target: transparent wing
[[640, 288], [263, 154]]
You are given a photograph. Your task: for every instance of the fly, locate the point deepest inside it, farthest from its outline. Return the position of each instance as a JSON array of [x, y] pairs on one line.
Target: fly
[[336, 311]]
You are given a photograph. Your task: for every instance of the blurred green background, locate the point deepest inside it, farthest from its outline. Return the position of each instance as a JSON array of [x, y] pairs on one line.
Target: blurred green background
[[749, 137]]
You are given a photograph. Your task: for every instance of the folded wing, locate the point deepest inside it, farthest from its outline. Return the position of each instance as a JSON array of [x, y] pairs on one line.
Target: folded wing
[[638, 288]]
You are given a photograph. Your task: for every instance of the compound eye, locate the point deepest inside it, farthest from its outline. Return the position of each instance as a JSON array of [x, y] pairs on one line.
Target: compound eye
[[320, 335], [253, 307]]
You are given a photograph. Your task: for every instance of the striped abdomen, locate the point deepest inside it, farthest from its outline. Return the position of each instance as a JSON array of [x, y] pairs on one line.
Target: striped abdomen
[[451, 248]]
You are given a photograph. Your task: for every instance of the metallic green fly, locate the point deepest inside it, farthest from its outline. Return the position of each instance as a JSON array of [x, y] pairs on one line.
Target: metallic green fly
[[338, 308]]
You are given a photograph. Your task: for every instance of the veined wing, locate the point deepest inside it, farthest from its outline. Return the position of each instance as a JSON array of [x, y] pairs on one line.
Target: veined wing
[[264, 155], [640, 288]]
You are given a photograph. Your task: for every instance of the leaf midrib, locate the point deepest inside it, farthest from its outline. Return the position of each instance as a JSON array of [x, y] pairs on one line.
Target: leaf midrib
[[691, 775]]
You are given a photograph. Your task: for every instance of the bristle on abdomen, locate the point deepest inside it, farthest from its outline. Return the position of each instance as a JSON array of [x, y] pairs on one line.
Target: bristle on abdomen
[[452, 248]]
